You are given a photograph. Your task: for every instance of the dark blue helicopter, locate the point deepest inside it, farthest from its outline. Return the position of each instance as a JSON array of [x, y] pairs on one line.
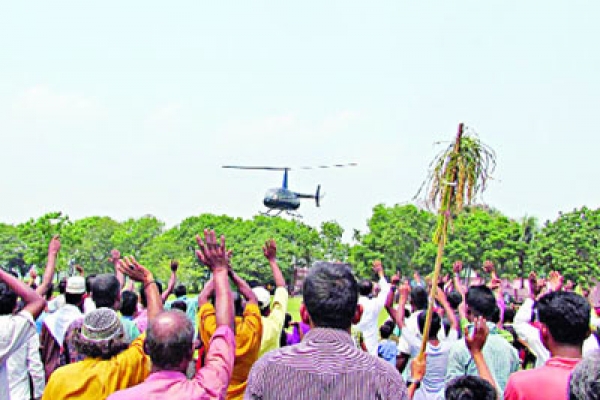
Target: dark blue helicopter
[[282, 199]]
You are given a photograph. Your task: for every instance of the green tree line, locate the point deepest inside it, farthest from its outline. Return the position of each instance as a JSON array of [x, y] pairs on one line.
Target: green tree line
[[399, 236]]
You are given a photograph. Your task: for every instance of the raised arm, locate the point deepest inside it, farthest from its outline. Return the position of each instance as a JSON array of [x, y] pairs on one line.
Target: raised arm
[[270, 252], [53, 249], [404, 293], [462, 308], [475, 343], [206, 292], [243, 287], [34, 303], [134, 270], [440, 296], [115, 257], [383, 283], [172, 280], [215, 255]]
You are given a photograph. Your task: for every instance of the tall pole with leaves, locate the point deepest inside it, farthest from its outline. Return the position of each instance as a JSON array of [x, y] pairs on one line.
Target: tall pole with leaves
[[457, 175]]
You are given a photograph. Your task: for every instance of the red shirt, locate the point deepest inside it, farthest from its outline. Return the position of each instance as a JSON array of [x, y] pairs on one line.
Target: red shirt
[[550, 382]]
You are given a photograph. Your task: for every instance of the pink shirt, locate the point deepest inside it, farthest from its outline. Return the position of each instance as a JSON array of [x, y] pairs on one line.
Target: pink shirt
[[210, 382], [550, 382]]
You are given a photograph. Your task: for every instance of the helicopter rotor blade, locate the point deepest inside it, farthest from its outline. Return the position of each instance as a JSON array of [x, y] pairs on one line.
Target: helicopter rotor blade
[[330, 166], [269, 168], [256, 168]]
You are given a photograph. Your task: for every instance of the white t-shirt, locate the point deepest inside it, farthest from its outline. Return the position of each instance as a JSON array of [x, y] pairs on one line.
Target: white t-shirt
[[369, 321], [15, 332], [26, 362]]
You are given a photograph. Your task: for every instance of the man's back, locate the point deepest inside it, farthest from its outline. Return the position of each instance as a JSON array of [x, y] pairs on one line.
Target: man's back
[[326, 365], [501, 358], [549, 382]]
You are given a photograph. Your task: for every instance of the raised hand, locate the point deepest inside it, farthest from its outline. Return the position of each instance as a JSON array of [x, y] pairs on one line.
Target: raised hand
[[488, 266], [213, 253], [54, 246], [404, 291], [79, 269], [134, 270], [377, 266], [115, 255], [418, 368], [477, 339], [395, 279], [457, 267], [556, 281], [270, 250], [174, 265]]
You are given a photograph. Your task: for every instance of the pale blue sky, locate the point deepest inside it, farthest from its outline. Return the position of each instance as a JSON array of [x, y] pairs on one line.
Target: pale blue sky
[[129, 108]]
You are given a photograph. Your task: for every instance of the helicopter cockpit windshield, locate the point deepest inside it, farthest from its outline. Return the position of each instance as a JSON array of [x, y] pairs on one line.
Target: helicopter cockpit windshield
[[273, 194]]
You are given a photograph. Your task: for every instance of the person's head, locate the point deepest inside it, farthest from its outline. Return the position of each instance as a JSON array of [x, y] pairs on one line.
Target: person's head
[[365, 287], [49, 291], [62, 285], [143, 299], [385, 331], [180, 291], [288, 321], [330, 294], [264, 300], [481, 302], [8, 299], [101, 335], [564, 318], [470, 387], [419, 299], [584, 383], [509, 316], [74, 291], [454, 299], [88, 283], [169, 341], [238, 304], [436, 324], [179, 305], [106, 291], [496, 318], [129, 301]]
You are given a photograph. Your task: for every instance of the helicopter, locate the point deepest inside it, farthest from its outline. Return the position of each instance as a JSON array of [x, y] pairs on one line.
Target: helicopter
[[282, 199]]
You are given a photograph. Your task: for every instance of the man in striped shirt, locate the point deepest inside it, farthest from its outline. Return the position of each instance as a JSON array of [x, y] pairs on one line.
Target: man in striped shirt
[[326, 364]]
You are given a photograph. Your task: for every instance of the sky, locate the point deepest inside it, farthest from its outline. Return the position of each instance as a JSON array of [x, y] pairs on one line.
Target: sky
[[131, 108]]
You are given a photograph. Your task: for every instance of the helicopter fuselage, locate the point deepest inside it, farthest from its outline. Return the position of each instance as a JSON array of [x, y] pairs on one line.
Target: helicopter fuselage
[[281, 199]]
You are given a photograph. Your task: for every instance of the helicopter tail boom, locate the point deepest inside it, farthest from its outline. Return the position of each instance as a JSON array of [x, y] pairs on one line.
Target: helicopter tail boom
[[317, 196]]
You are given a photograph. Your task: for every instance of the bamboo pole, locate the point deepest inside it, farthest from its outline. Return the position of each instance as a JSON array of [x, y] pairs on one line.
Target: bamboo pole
[[445, 213]]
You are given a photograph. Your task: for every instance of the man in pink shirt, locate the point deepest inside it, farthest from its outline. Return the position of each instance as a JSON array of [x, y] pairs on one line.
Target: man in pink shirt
[[564, 325], [169, 342]]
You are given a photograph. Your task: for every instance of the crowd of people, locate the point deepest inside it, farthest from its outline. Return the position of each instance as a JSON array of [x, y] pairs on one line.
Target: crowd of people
[[101, 337]]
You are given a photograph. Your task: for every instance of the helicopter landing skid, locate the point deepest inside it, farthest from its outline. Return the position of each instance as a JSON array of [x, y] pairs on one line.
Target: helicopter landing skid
[[275, 213]]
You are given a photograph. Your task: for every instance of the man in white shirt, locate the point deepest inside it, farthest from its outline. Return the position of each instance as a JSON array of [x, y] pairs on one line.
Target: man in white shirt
[[371, 308], [15, 330]]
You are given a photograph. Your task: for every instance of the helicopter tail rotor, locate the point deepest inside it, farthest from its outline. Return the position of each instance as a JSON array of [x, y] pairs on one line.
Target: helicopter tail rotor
[[318, 196]]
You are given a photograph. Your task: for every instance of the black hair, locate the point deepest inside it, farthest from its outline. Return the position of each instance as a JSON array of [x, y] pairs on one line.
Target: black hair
[[454, 299], [179, 305], [238, 304], [287, 321], [385, 331], [74, 299], [8, 299], [167, 348], [436, 324], [470, 388], [496, 318], [48, 294], [143, 298], [509, 315], [481, 302], [365, 287], [129, 302], [419, 298], [62, 286], [180, 291], [567, 316], [105, 290], [88, 283], [330, 294]]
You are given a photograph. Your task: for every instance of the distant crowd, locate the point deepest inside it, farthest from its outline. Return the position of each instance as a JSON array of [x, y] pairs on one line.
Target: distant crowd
[[120, 336]]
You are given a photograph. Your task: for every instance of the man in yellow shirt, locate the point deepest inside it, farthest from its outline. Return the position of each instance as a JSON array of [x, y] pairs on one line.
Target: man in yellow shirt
[[110, 364], [248, 331], [273, 317]]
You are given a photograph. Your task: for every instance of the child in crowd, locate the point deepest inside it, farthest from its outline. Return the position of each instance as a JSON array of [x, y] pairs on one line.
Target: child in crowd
[[387, 348]]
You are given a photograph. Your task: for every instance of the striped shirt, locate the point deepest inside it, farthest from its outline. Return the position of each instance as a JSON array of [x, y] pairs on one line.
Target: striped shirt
[[325, 365]]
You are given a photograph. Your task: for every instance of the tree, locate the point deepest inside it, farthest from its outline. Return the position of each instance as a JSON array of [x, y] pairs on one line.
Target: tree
[[35, 235], [570, 245]]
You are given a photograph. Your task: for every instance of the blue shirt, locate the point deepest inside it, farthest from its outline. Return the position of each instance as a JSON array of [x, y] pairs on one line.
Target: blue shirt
[[388, 350]]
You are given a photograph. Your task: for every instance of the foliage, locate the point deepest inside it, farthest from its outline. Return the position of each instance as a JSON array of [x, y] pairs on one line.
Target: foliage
[[570, 245]]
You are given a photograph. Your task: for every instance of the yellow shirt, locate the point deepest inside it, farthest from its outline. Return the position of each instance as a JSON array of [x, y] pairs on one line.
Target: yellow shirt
[[96, 379], [273, 324], [248, 333]]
